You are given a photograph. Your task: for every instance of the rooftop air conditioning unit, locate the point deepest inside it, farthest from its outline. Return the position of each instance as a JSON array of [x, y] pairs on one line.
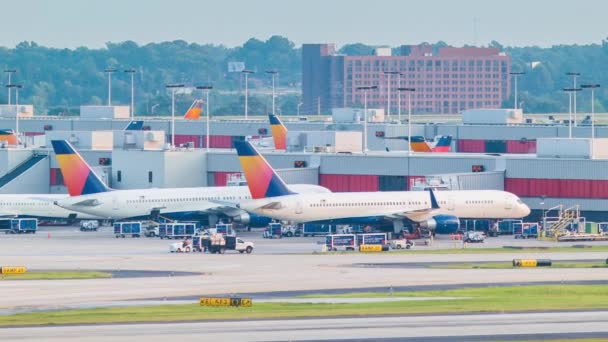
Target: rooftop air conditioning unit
[[73, 139]]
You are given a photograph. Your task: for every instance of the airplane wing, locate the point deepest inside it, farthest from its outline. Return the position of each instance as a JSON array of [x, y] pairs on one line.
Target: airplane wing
[[419, 214], [88, 203]]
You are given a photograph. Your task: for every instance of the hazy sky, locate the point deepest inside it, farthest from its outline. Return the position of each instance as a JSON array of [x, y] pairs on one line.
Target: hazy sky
[[72, 23]]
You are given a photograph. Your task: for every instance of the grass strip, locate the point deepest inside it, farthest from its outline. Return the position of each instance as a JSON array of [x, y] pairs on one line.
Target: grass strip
[[509, 265], [51, 275], [492, 299]]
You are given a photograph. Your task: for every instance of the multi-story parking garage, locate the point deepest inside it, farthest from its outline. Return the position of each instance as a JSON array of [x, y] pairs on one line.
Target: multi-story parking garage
[[506, 155]]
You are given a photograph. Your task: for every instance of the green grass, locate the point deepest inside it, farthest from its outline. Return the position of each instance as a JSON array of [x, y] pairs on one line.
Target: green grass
[[497, 299], [509, 265], [55, 275], [502, 250]]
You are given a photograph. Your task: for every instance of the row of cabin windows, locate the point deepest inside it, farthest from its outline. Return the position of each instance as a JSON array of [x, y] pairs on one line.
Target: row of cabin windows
[[358, 204], [24, 203], [480, 202], [190, 199]]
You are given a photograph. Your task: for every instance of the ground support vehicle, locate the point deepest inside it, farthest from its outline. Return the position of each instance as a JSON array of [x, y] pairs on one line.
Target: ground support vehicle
[[341, 242], [401, 244], [89, 225], [122, 229], [23, 226], [473, 237], [176, 230]]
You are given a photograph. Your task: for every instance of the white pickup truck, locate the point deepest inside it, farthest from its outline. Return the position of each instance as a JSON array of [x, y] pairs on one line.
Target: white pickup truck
[[402, 244]]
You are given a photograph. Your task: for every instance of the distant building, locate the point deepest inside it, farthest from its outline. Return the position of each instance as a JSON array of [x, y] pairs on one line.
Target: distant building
[[452, 80]]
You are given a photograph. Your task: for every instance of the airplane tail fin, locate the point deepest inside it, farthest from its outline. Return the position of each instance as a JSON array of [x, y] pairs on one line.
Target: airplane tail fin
[[434, 204], [135, 125], [77, 174], [262, 180], [194, 112], [9, 136], [443, 144], [419, 144], [279, 132]]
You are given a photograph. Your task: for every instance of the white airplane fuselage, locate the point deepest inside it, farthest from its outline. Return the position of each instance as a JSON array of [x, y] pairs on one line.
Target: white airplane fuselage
[[411, 204], [38, 205], [121, 204]]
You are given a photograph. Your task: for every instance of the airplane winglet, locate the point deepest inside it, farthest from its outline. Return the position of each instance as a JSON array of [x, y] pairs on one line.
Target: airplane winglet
[[434, 204]]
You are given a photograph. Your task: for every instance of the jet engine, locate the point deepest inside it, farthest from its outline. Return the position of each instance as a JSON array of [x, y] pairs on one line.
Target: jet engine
[[442, 224], [252, 220]]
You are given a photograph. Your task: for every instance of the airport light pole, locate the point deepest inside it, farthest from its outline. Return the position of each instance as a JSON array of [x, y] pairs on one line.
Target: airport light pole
[[515, 76], [592, 87], [207, 89], [399, 97], [17, 87], [409, 116], [272, 73], [388, 92], [109, 71], [299, 105], [365, 90], [574, 76], [9, 72], [173, 88], [247, 73], [570, 91], [132, 72]]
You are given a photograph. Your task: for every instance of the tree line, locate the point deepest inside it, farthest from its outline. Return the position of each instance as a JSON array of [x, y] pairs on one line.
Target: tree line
[[57, 81]]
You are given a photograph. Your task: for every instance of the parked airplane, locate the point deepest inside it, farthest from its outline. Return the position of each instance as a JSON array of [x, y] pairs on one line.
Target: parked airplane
[[439, 211], [194, 112], [39, 206], [441, 143], [88, 194]]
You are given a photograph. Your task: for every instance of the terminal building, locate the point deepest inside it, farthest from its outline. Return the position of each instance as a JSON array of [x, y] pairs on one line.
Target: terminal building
[[536, 161], [446, 81]]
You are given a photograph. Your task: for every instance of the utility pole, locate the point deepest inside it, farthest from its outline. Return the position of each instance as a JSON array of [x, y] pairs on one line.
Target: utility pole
[[207, 89], [109, 71], [574, 76], [592, 87], [132, 72], [388, 92], [409, 116], [365, 90], [272, 73], [247, 73], [9, 72], [515, 77], [173, 88]]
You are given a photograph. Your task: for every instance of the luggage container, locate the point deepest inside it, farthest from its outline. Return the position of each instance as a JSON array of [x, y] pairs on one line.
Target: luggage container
[[318, 229], [122, 229], [592, 228], [507, 227], [528, 230], [23, 226], [341, 242], [176, 230], [372, 239]]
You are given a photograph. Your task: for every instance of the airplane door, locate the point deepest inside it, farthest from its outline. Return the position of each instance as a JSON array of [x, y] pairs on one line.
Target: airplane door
[[451, 203], [114, 203], [508, 203], [299, 207]]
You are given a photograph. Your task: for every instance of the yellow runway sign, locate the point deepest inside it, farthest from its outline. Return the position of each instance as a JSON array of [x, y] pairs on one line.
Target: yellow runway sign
[[370, 248], [13, 269], [225, 301]]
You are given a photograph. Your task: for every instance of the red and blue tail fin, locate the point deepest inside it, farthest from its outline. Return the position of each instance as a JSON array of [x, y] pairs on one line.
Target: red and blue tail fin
[[135, 125], [194, 112], [443, 144], [262, 180], [77, 175], [9, 136], [279, 132]]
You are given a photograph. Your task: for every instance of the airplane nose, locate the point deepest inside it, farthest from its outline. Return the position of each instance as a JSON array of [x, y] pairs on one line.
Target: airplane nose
[[525, 209]]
